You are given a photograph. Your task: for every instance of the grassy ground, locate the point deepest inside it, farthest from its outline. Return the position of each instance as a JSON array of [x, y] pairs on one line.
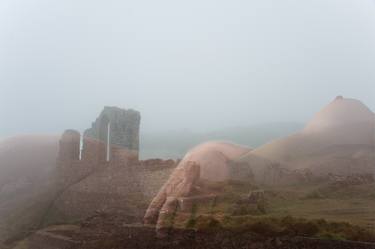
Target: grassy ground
[[349, 211], [354, 204]]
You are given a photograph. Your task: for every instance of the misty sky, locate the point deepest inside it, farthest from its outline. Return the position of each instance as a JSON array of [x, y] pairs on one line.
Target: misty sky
[[194, 64]]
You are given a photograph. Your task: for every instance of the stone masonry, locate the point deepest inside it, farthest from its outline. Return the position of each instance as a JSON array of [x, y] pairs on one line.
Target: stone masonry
[[120, 129], [113, 139], [107, 176]]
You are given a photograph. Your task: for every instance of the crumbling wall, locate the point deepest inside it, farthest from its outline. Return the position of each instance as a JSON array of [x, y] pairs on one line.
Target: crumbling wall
[[108, 177], [69, 146], [113, 140], [69, 166], [93, 150], [118, 128], [114, 132], [277, 175], [112, 188]]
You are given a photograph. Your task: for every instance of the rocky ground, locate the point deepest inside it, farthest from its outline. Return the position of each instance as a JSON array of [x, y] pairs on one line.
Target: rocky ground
[[112, 232]]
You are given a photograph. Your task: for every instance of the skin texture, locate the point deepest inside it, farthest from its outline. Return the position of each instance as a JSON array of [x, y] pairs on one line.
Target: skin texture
[[339, 136], [213, 157], [329, 142], [207, 161]]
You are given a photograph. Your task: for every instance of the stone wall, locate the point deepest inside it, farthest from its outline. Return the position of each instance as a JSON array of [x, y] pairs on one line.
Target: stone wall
[[113, 188], [240, 172], [69, 146], [89, 180], [88, 183], [93, 150], [119, 128], [278, 175], [113, 139]]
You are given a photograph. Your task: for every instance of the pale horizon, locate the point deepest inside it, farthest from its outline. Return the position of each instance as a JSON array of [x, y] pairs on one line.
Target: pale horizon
[[200, 65]]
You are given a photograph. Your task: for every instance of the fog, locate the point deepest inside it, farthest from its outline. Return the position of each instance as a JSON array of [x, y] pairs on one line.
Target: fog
[[197, 65]]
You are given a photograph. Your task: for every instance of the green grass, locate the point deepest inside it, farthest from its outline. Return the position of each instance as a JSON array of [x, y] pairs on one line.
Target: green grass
[[318, 210], [285, 226]]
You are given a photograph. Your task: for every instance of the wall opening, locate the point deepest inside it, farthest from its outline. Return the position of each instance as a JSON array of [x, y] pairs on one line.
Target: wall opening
[[80, 146], [108, 145], [104, 138]]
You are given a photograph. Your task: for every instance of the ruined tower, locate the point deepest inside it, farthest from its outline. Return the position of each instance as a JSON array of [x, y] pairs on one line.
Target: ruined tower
[[114, 136], [113, 139], [69, 146]]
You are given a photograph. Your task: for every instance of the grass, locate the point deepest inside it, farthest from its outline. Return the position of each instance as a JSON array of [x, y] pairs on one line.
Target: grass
[[286, 226], [309, 210]]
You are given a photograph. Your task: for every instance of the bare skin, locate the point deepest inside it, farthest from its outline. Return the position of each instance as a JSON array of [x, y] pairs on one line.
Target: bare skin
[[207, 161]]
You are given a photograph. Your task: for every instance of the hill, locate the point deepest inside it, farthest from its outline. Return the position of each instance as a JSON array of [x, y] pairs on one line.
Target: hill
[[339, 139]]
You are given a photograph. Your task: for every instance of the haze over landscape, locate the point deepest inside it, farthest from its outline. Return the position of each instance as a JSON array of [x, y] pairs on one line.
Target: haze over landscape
[[197, 65], [193, 125]]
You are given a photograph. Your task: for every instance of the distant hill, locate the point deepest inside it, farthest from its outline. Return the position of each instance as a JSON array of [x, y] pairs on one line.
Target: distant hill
[[175, 144], [339, 139]]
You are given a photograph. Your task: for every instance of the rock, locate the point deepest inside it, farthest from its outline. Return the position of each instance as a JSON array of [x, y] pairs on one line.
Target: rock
[[278, 175], [256, 196], [186, 204], [354, 179]]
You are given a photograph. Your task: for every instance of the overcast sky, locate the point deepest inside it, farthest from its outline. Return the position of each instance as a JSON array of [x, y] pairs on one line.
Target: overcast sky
[[194, 64]]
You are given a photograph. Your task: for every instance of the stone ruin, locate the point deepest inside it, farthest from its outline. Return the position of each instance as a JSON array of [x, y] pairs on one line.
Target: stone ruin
[[255, 196], [114, 136], [113, 139], [348, 180], [118, 132], [275, 174], [69, 149], [100, 171]]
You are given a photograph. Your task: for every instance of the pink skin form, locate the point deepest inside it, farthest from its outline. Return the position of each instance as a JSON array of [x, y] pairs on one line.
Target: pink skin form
[[207, 161], [213, 158]]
